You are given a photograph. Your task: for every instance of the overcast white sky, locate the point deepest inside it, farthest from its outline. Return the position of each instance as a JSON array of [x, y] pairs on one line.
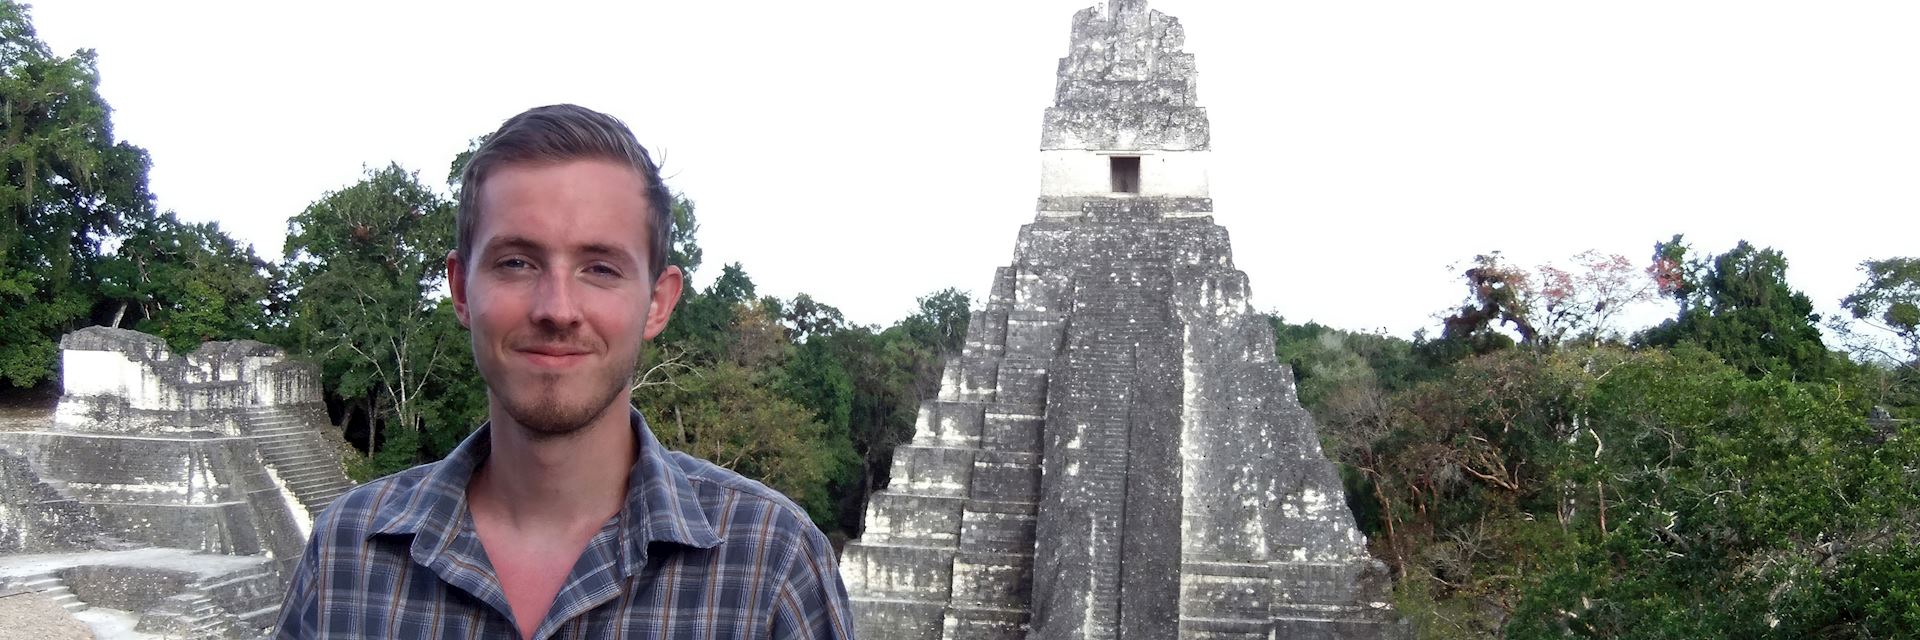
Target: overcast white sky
[[871, 152]]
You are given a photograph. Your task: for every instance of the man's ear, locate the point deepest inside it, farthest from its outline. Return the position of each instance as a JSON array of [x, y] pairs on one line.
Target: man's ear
[[666, 294], [457, 285]]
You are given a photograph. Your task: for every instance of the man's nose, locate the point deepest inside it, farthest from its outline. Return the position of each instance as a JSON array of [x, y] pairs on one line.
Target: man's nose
[[555, 301]]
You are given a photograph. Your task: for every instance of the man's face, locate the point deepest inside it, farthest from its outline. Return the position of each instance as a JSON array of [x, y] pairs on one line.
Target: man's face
[[557, 296]]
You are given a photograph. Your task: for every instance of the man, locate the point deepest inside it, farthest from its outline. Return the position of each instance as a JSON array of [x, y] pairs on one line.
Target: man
[[562, 516]]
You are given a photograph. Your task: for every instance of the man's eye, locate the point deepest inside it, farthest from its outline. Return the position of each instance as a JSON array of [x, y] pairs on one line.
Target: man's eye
[[603, 270], [514, 264]]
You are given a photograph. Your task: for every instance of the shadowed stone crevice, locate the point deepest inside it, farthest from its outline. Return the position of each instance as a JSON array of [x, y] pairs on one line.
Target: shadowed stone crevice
[[1116, 453]]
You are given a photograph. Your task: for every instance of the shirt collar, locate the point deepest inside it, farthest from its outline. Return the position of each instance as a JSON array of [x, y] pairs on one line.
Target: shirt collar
[[661, 505]]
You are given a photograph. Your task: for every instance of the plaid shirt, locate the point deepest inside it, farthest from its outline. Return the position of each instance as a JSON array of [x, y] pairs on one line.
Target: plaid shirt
[[696, 552]]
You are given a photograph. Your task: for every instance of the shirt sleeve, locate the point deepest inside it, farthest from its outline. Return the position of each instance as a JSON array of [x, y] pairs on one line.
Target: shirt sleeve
[[811, 602]]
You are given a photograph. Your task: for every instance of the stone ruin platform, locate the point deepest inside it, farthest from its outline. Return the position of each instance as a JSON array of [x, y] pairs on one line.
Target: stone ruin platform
[[168, 495], [158, 592]]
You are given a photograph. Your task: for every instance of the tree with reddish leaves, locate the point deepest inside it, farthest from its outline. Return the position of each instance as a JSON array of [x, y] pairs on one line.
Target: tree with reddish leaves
[[1545, 306]]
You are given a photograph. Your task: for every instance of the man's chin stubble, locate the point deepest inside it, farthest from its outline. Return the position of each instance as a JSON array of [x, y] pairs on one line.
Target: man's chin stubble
[[544, 419]]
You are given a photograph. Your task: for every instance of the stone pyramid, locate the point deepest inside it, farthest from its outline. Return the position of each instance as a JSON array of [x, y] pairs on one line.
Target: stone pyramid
[[1116, 453]]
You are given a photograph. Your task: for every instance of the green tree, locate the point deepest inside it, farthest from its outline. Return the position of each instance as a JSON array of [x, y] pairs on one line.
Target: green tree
[[67, 185], [735, 412], [1325, 359], [1738, 305], [187, 283], [453, 402], [940, 322], [686, 250], [1889, 300], [1605, 493], [701, 324], [364, 268], [807, 317], [1714, 504]]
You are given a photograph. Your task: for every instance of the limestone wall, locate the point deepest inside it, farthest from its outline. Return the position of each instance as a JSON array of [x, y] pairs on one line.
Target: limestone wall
[[126, 382], [36, 518]]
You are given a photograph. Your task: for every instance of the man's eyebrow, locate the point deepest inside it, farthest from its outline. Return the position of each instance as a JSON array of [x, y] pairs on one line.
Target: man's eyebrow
[[602, 249], [521, 243], [504, 243]]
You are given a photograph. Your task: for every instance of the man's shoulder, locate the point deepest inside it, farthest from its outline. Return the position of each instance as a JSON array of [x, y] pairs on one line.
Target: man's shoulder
[[359, 510], [721, 490]]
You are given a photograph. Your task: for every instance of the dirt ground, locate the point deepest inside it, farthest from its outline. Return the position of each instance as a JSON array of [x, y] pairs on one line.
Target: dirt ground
[[14, 418], [27, 409], [31, 616]]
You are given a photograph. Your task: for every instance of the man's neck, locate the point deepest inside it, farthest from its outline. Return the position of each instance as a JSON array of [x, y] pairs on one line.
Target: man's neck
[[536, 482]]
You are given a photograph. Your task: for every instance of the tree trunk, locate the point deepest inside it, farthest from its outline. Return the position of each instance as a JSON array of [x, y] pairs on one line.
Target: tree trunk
[[373, 424]]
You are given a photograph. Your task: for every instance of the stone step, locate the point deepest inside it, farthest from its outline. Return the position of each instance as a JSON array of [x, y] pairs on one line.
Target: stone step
[[297, 455], [286, 446], [279, 437], [292, 445], [312, 481], [61, 596], [288, 466], [302, 454], [336, 482], [314, 484], [331, 490], [323, 499], [317, 497], [261, 617], [288, 453], [310, 478], [288, 473], [255, 573], [289, 469], [40, 583], [271, 410], [323, 495]]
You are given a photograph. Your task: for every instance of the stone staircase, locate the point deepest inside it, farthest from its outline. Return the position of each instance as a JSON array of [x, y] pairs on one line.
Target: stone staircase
[[54, 589], [188, 616], [305, 461], [253, 596]]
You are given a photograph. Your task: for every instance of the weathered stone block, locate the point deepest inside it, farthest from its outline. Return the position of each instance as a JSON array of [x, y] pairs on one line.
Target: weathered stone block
[[920, 574], [932, 471], [918, 520], [121, 587], [975, 623], [1226, 591], [899, 619], [1014, 432], [1006, 477], [996, 531], [992, 580]]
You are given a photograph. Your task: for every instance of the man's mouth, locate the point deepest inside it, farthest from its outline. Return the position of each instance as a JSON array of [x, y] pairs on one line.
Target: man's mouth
[[553, 356]]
